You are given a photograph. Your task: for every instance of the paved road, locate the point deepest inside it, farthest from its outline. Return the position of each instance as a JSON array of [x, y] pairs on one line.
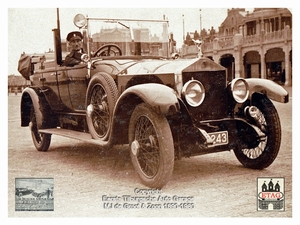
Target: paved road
[[216, 184]]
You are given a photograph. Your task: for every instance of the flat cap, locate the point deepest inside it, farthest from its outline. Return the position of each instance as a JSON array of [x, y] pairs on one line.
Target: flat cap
[[74, 35]]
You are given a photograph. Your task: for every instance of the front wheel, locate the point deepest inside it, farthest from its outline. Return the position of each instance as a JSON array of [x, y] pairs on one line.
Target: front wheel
[[262, 154], [151, 146], [41, 141]]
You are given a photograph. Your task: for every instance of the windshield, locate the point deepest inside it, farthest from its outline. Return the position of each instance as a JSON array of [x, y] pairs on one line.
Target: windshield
[[133, 37]]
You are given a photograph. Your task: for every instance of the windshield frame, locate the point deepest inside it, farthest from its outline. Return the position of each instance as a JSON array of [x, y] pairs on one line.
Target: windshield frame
[[161, 45]]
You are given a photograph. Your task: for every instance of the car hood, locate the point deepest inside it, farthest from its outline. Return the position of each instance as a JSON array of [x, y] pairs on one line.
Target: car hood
[[159, 66], [176, 66]]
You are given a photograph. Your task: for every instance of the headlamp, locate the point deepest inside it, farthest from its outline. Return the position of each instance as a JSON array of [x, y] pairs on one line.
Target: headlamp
[[239, 89], [193, 92]]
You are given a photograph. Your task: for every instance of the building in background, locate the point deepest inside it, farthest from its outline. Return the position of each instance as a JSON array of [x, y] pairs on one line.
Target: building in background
[[256, 44], [16, 84]]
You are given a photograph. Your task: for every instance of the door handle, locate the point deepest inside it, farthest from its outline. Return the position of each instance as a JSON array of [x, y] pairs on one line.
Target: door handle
[[53, 74]]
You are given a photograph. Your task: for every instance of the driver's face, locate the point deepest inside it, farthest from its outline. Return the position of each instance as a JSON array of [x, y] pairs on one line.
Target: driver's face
[[76, 44]]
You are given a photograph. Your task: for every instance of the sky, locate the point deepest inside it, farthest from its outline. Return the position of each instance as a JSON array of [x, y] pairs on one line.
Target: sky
[[30, 29]]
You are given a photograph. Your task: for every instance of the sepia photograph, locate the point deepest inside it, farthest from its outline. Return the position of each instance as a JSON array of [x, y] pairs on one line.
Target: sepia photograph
[[150, 112]]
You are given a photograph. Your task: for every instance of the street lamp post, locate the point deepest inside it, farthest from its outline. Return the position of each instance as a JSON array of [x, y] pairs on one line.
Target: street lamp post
[[200, 32], [183, 28]]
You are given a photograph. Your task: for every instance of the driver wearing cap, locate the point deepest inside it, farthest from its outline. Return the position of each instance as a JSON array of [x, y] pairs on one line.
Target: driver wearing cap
[[75, 41]]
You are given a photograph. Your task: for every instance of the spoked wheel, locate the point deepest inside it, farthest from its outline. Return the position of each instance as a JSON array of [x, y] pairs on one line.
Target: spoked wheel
[[102, 95], [264, 152], [41, 141], [151, 146]]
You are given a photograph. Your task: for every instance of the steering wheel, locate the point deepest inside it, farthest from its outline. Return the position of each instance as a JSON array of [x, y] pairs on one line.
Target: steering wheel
[[108, 50]]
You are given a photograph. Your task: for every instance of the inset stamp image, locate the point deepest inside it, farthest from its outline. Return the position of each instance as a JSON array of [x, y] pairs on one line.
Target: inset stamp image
[[270, 194], [34, 194]]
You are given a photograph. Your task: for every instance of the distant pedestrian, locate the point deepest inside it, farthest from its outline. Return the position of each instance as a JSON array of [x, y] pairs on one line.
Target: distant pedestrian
[[48, 193], [51, 192]]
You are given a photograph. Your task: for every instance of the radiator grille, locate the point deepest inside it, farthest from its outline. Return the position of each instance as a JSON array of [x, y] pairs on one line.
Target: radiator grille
[[214, 105]]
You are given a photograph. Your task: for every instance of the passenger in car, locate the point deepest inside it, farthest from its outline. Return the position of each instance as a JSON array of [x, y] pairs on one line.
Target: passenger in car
[[74, 39]]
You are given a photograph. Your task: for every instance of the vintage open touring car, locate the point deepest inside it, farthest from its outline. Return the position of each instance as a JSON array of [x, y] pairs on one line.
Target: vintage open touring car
[[128, 90], [23, 191]]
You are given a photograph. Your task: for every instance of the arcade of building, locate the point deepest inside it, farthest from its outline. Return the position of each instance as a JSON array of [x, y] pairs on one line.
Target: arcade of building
[[256, 44]]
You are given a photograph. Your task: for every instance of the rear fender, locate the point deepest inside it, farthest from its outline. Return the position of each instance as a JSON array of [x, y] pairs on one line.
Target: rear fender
[[161, 98], [269, 88], [44, 116]]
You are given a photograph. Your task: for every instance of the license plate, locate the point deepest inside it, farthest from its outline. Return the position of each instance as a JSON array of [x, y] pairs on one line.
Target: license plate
[[219, 138]]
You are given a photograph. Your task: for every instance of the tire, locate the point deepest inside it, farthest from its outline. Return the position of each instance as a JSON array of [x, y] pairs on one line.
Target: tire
[[263, 155], [41, 141], [151, 146], [102, 95]]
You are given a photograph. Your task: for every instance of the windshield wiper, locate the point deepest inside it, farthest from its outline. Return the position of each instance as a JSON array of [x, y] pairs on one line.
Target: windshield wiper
[[123, 25]]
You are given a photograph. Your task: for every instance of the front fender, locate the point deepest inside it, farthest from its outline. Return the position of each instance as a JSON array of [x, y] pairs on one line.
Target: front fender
[[44, 116], [161, 98], [269, 88]]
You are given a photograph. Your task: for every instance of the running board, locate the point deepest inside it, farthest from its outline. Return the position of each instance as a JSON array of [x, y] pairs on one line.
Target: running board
[[74, 135]]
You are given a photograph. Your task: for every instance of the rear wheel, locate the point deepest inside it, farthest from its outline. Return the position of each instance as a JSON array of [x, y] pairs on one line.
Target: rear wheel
[[151, 146], [102, 95], [265, 151], [41, 141]]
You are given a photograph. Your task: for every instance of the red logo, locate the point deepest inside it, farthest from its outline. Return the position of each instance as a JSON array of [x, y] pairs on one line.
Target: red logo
[[270, 195]]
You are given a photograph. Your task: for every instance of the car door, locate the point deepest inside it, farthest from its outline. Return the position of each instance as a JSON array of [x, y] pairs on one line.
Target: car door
[[72, 85], [46, 80]]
